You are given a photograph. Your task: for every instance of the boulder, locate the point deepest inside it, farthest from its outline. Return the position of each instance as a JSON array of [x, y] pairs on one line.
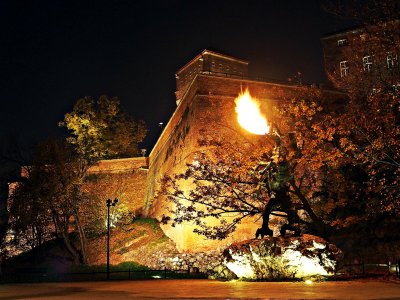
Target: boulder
[[279, 258]]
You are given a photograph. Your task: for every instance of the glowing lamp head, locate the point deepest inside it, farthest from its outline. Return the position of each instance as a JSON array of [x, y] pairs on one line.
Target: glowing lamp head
[[249, 115]]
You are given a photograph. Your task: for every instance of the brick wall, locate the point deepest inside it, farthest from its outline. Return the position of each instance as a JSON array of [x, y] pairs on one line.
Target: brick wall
[[119, 165], [125, 179], [208, 62], [207, 109]]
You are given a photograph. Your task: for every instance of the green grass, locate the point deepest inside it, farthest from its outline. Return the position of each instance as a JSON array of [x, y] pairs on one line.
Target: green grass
[[152, 223], [124, 266]]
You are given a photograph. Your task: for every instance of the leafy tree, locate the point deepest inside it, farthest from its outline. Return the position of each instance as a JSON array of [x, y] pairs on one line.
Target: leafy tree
[[223, 185], [50, 203], [316, 161], [364, 12], [13, 155], [3, 209], [298, 164], [343, 158], [328, 177], [227, 187], [369, 125], [29, 221], [101, 130]]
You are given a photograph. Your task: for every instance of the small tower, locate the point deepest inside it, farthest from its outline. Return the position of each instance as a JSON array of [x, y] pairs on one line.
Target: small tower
[[210, 63]]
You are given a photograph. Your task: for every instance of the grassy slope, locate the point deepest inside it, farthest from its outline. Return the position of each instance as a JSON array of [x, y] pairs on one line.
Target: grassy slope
[[140, 242], [132, 246]]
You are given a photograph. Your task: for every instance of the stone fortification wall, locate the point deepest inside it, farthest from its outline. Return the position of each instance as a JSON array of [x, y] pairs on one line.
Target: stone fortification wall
[[121, 165], [124, 179], [210, 263], [206, 110], [271, 258], [208, 62]]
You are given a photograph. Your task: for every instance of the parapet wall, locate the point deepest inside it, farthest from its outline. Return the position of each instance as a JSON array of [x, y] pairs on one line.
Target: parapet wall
[[120, 165], [124, 178]]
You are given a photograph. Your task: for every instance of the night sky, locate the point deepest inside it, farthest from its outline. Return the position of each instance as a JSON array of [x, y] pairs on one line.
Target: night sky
[[54, 52]]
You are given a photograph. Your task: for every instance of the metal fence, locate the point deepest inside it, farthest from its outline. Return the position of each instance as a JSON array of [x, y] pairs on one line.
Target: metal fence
[[370, 269], [43, 276]]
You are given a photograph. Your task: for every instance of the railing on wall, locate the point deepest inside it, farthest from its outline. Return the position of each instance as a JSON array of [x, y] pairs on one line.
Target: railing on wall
[[367, 269], [254, 78], [40, 275]]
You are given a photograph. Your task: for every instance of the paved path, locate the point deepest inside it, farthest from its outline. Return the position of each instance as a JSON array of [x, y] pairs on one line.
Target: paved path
[[201, 289]]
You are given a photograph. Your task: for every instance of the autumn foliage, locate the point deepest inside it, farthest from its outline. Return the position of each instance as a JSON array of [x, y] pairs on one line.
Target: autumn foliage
[[343, 155], [101, 130], [343, 168]]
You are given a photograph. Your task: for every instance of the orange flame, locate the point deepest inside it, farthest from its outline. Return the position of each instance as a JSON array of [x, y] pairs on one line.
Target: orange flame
[[249, 114]]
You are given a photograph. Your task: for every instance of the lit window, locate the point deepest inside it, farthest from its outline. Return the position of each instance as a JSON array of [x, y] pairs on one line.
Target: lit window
[[367, 63], [342, 42], [344, 68], [391, 60]]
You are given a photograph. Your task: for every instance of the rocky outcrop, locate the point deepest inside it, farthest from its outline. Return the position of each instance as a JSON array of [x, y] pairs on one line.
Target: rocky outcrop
[[210, 263], [276, 258], [271, 258]]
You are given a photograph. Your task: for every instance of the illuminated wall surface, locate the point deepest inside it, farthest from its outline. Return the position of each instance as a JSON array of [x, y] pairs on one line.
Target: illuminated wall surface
[[206, 90], [124, 179], [206, 108]]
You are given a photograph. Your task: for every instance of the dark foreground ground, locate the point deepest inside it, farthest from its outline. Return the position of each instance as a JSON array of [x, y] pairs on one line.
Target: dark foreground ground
[[201, 289]]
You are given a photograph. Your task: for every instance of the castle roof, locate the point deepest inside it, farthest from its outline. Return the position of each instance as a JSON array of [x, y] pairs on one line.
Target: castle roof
[[212, 53]]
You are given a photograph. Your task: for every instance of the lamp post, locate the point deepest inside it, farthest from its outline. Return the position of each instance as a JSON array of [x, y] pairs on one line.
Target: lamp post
[[109, 203]]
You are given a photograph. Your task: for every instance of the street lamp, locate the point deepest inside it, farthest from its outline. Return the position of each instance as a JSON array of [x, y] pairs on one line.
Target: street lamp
[[109, 203]]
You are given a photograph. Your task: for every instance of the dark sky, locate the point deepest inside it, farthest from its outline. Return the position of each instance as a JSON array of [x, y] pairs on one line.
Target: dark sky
[[54, 52]]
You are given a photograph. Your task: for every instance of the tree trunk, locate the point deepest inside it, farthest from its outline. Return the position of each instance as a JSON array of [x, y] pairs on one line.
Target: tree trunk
[[71, 249], [317, 224], [67, 242], [82, 237]]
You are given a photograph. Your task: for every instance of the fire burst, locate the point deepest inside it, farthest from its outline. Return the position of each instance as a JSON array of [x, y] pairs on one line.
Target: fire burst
[[249, 114]]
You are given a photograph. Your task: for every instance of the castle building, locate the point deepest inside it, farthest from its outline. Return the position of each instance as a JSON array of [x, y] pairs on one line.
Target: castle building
[[206, 89], [364, 53], [211, 63]]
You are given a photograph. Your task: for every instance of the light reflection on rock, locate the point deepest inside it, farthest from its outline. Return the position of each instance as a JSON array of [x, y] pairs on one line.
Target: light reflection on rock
[[282, 258]]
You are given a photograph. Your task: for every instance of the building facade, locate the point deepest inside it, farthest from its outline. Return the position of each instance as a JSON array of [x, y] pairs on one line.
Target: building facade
[[366, 54]]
